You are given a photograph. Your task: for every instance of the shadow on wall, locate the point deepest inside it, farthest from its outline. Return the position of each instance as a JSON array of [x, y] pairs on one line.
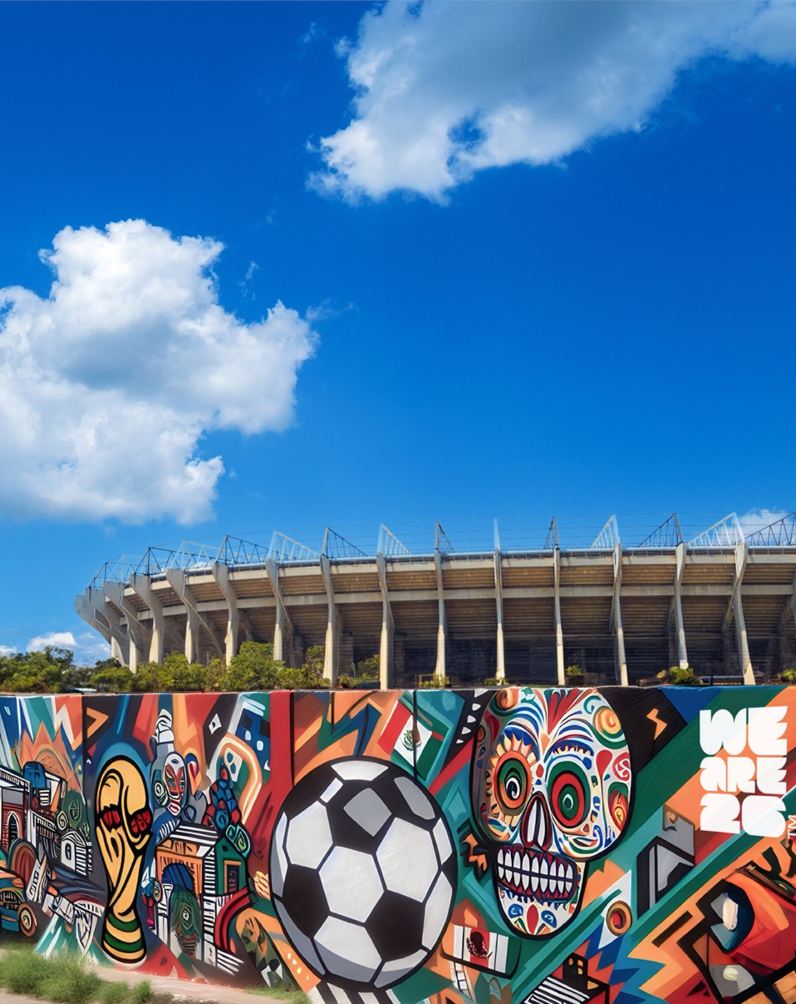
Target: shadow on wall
[[519, 845]]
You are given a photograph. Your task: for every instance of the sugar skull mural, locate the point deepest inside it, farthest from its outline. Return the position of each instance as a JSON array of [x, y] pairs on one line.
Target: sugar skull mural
[[551, 791]]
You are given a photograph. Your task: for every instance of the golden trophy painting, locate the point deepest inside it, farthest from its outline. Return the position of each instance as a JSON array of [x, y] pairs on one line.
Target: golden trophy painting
[[123, 825]]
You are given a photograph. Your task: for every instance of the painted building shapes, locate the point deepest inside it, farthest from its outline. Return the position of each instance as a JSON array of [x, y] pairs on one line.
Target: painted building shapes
[[525, 845]]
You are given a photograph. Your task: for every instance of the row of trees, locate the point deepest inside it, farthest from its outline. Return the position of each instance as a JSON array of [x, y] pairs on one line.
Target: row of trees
[[53, 671]]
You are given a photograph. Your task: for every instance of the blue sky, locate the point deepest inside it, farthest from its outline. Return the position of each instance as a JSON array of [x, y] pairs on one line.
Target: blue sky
[[502, 296]]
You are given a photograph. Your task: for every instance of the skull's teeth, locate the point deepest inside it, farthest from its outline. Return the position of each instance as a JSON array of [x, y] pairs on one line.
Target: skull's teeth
[[535, 874]]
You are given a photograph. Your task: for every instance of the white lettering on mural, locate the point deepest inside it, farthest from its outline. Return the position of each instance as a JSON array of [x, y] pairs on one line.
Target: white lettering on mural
[[743, 772]]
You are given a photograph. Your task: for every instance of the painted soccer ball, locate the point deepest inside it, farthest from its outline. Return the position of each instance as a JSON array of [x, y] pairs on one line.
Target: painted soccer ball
[[363, 872]]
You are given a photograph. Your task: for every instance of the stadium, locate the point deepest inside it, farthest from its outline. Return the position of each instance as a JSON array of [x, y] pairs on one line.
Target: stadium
[[722, 602]]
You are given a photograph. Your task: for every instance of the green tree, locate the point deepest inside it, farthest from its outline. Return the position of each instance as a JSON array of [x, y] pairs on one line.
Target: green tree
[[368, 669], [253, 668], [110, 677], [37, 672], [175, 674], [308, 676], [304, 677]]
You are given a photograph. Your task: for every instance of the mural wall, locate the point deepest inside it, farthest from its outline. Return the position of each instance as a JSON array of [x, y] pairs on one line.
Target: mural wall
[[522, 846]]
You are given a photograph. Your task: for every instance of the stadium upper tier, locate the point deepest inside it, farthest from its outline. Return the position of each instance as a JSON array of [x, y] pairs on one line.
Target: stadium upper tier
[[723, 603]]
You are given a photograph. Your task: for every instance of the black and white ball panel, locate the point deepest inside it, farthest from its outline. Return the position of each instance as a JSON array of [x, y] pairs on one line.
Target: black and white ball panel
[[363, 872]]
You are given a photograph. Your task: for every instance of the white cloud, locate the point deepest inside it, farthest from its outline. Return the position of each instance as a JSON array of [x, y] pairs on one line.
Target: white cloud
[[447, 89], [86, 646], [7, 650], [108, 384], [56, 639]]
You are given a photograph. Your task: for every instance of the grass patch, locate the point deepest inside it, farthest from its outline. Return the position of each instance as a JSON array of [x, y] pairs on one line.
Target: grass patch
[[69, 983], [22, 971], [66, 980], [123, 993], [114, 993], [141, 993], [280, 994]]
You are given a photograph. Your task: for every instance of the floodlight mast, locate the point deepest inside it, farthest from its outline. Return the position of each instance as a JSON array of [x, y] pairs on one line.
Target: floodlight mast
[[608, 537], [442, 543], [668, 534], [389, 545], [551, 540], [338, 548], [727, 532], [780, 533]]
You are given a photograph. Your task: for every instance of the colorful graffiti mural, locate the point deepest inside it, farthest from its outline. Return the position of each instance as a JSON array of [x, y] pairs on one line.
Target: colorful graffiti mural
[[520, 846]]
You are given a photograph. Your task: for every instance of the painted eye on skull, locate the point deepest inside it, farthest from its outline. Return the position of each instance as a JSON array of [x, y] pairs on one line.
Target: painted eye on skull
[[569, 798], [513, 782]]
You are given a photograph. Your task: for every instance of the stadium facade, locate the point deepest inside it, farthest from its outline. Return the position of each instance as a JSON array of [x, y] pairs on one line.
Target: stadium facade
[[723, 603]]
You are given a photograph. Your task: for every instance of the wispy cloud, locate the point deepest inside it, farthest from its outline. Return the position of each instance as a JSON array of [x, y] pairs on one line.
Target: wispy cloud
[[326, 310], [314, 32], [757, 519], [245, 282]]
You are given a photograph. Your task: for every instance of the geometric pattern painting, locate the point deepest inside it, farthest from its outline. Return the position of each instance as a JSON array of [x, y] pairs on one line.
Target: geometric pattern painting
[[518, 846]]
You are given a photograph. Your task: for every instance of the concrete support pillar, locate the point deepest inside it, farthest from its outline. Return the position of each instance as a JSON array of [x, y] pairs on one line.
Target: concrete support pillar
[[283, 626], [742, 640], [138, 636], [793, 598], [136, 656], [616, 616], [387, 637], [221, 575], [191, 635], [142, 587], [330, 651], [386, 641], [744, 657], [735, 613], [120, 640], [677, 601], [560, 674], [95, 609], [176, 578], [500, 662], [440, 667], [279, 633]]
